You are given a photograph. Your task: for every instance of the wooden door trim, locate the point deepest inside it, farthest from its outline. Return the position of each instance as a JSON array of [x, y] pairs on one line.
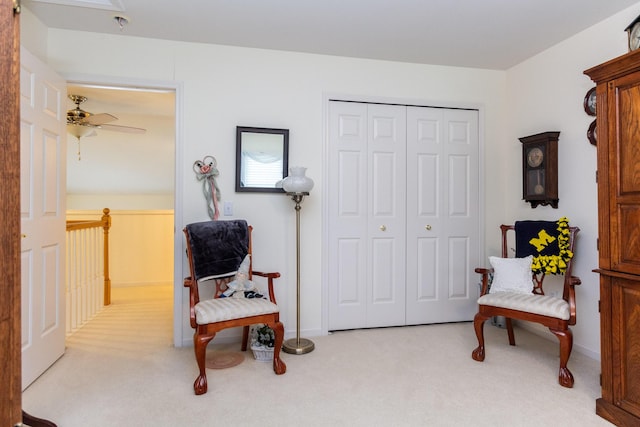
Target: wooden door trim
[[10, 307]]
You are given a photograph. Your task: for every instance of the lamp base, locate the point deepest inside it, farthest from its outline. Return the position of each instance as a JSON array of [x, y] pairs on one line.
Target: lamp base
[[298, 346]]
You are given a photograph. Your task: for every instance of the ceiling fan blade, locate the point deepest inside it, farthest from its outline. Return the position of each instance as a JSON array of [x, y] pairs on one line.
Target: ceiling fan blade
[[126, 129], [100, 119]]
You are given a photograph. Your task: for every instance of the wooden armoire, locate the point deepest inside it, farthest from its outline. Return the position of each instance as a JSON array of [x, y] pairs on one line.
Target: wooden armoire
[[618, 144]]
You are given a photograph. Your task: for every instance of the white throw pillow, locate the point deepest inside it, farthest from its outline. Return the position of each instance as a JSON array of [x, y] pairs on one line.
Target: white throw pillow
[[511, 275]]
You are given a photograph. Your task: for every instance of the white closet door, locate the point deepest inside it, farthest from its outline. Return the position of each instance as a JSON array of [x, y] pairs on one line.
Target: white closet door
[[442, 214], [367, 214], [386, 179], [347, 215]]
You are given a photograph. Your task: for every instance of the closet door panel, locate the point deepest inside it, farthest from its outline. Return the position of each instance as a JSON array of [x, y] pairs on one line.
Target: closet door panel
[[386, 148], [427, 277], [458, 268], [348, 215], [442, 206], [462, 146], [426, 265], [458, 186]]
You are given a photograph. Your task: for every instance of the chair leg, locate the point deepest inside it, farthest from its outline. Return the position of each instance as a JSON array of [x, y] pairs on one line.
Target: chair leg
[[200, 347], [245, 338], [512, 338], [279, 367], [478, 325], [565, 377]]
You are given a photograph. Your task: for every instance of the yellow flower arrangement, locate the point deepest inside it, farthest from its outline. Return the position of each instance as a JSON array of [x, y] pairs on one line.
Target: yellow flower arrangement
[[555, 264]]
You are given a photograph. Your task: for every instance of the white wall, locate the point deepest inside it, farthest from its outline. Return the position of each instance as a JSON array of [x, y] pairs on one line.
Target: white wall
[[226, 86], [223, 87], [545, 93]]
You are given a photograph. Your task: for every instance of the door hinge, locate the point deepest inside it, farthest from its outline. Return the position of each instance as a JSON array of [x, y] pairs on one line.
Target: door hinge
[[598, 306], [597, 244], [16, 7], [596, 177]]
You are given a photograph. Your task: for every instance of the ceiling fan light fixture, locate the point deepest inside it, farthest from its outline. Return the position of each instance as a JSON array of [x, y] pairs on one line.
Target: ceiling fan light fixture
[[79, 131]]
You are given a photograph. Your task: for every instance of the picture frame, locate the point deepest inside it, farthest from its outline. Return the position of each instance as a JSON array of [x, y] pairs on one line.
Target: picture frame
[[262, 159]]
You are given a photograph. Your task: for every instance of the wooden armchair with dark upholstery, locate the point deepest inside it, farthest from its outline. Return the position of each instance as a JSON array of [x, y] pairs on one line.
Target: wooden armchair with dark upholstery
[[215, 251], [528, 301]]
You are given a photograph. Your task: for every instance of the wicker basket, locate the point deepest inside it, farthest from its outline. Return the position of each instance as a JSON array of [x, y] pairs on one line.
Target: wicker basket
[[262, 353]]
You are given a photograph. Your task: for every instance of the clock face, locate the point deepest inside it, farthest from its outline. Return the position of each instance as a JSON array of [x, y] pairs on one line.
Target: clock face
[[535, 157], [634, 37]]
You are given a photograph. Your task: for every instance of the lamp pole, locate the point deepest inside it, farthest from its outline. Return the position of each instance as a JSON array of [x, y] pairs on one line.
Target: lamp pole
[[298, 345]]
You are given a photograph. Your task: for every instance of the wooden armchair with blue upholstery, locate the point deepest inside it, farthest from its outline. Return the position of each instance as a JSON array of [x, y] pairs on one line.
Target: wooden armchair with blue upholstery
[[512, 288], [215, 251]]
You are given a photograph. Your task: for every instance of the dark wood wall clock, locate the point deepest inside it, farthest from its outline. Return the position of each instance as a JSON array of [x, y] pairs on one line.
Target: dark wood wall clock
[[590, 102], [540, 169], [590, 108], [633, 34]]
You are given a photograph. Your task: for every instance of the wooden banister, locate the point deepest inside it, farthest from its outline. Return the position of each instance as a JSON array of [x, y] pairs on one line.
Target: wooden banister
[[105, 223], [88, 285]]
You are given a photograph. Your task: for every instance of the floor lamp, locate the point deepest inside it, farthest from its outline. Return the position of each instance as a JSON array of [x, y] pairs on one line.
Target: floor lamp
[[298, 345]]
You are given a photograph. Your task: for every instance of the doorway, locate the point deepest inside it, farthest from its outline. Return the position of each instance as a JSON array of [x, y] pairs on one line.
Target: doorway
[[130, 167]]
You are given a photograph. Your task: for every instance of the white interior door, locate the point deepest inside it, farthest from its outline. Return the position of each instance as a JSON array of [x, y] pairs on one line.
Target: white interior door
[[367, 215], [348, 215], [386, 241], [42, 201], [442, 214]]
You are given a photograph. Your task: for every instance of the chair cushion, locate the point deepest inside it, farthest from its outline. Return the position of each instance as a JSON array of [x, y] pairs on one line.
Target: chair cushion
[[219, 309], [532, 303]]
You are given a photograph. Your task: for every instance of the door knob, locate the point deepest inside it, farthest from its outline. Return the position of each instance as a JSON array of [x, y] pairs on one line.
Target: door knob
[[383, 228], [427, 227]]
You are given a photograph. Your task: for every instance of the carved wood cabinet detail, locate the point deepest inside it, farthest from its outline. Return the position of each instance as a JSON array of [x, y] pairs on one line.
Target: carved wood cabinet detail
[[618, 113]]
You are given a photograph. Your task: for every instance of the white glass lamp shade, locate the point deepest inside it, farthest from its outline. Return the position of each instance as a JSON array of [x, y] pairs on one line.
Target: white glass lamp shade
[[297, 181]]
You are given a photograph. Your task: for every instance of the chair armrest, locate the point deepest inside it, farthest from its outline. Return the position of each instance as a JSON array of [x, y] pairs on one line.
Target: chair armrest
[[485, 279], [261, 274], [194, 298], [569, 295], [270, 277]]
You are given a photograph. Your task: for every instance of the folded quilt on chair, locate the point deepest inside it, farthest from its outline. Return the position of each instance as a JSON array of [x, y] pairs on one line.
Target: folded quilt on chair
[[536, 238], [218, 247]]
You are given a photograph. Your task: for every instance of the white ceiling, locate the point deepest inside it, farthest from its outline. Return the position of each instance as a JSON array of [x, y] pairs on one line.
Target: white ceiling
[[124, 103], [492, 34]]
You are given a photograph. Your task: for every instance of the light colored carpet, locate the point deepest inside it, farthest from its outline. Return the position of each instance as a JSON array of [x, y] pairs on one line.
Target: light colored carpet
[[122, 369]]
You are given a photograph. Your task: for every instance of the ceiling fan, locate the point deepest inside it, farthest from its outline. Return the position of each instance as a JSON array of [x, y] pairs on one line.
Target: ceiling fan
[[82, 124]]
